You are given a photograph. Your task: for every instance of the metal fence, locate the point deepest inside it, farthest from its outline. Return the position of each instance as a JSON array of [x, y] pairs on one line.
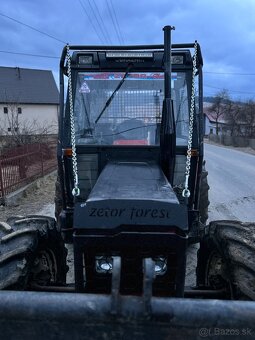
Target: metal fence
[[22, 165]]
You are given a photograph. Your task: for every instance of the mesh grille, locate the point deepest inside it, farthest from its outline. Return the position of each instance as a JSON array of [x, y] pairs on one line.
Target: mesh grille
[[145, 105]]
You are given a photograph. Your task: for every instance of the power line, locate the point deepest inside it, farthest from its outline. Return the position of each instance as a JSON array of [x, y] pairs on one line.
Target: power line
[[118, 26], [218, 88], [32, 28], [98, 23], [231, 73], [30, 55], [92, 24], [114, 24], [104, 27]]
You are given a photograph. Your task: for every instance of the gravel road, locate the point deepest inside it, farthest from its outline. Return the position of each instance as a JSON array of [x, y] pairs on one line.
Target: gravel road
[[232, 195]]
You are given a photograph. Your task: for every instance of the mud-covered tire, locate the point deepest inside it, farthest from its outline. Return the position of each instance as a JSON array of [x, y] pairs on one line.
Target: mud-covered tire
[[204, 196], [31, 252], [226, 259]]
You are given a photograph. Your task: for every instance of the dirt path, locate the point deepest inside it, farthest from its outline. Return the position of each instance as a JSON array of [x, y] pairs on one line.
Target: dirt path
[[37, 197]]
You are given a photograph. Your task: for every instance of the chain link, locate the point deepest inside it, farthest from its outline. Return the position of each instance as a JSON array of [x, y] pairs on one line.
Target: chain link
[[76, 190], [186, 191]]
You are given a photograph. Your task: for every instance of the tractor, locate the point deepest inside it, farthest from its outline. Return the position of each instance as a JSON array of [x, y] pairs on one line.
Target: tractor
[[131, 196]]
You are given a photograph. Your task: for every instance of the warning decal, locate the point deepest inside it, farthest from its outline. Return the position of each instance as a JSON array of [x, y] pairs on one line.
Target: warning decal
[[84, 88]]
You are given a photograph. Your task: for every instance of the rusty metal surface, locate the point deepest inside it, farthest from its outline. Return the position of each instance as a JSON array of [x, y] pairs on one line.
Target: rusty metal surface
[[33, 315], [22, 165]]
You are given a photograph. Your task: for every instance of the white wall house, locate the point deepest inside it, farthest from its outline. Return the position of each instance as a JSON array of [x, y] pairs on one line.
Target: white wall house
[[210, 122], [29, 101]]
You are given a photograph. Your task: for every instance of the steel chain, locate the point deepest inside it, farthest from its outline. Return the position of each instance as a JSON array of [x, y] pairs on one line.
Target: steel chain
[[186, 191], [76, 190]]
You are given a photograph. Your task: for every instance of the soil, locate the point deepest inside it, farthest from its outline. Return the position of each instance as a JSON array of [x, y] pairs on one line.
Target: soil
[[34, 199]]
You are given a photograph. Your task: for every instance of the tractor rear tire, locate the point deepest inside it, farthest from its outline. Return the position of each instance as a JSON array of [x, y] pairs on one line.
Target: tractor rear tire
[[32, 252], [204, 194], [226, 259]]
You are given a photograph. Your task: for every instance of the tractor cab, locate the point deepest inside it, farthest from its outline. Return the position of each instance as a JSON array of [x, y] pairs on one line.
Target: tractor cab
[[129, 186]]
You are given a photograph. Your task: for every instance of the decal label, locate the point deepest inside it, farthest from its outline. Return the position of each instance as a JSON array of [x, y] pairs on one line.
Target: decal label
[[130, 76], [131, 213], [84, 88]]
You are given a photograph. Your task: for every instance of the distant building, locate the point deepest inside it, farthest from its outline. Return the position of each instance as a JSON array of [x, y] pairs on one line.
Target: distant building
[[29, 101], [210, 121], [210, 124]]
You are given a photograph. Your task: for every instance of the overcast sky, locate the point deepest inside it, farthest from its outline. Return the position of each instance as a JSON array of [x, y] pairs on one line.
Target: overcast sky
[[225, 30]]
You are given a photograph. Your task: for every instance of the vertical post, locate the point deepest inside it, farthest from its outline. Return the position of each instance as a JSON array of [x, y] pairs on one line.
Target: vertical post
[[78, 265], [167, 62], [1, 184], [167, 129]]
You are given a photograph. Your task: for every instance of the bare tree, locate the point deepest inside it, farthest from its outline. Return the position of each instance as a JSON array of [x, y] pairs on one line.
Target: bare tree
[[248, 118], [217, 109], [232, 114], [19, 132]]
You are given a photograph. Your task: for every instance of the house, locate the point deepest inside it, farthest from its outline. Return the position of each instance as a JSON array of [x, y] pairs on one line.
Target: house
[[211, 121], [29, 101]]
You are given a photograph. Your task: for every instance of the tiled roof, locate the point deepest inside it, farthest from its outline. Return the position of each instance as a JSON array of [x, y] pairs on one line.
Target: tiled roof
[[212, 116]]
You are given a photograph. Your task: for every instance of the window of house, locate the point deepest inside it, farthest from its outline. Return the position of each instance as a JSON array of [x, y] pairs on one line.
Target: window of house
[[211, 131], [16, 129], [9, 129], [19, 110], [5, 109]]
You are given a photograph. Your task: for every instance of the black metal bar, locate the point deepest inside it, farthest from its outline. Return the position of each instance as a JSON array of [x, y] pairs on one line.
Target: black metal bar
[[62, 289], [204, 293], [126, 48], [78, 268], [148, 277], [200, 129], [167, 60], [188, 292], [181, 268], [30, 315], [115, 290], [63, 57], [61, 135], [201, 109], [167, 133]]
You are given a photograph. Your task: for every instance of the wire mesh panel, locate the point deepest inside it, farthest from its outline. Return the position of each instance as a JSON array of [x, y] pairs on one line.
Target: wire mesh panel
[[135, 104], [126, 108]]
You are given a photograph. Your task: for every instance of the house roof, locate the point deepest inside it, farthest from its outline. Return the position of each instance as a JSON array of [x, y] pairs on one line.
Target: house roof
[[212, 116], [27, 86]]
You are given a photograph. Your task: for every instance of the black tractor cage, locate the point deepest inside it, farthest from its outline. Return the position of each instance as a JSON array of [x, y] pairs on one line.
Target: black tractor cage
[[107, 58]]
